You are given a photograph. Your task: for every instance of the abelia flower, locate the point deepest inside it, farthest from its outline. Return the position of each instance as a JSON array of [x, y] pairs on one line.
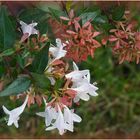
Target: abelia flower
[[84, 90], [54, 118], [78, 75], [49, 114], [81, 84], [58, 52], [28, 29], [59, 123], [70, 116], [14, 115]]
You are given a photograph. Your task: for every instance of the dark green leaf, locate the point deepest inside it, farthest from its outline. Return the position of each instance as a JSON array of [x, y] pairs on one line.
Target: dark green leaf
[[56, 13], [20, 61], [118, 13], [58, 84], [100, 19], [7, 52], [45, 6], [7, 31], [18, 86], [32, 14], [41, 60], [2, 70], [89, 14], [41, 81]]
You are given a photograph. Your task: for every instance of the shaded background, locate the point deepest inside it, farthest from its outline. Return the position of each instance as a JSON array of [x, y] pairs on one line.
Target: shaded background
[[115, 113]]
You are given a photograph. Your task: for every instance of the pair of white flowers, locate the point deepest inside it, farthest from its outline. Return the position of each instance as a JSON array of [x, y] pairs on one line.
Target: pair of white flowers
[[59, 120], [81, 84]]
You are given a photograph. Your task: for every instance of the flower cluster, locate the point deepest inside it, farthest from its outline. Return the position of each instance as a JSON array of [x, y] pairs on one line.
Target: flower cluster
[[126, 42], [67, 87]]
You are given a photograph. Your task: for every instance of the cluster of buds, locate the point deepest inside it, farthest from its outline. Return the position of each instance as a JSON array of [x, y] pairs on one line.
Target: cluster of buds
[[68, 87], [126, 42]]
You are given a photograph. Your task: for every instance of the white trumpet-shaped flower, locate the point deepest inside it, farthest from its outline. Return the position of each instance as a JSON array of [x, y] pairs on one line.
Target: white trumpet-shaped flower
[[58, 120], [81, 84], [58, 52], [49, 114], [78, 75], [14, 115], [28, 29], [59, 123], [71, 117], [64, 121], [84, 90]]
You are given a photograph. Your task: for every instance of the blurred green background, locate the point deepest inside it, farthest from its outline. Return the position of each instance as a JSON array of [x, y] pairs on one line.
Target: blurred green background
[[115, 113]]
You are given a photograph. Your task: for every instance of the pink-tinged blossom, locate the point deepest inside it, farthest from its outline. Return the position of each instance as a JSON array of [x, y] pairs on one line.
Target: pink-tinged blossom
[[28, 29], [57, 52]]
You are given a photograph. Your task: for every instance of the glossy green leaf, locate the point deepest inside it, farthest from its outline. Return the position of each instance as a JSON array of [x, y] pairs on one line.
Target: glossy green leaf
[[7, 31], [56, 13], [41, 60], [100, 19], [58, 84], [45, 6], [118, 13], [18, 86], [7, 52], [32, 14], [41, 81], [89, 14]]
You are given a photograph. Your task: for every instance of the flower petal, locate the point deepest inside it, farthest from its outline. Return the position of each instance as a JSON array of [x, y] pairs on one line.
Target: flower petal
[[6, 110], [76, 118]]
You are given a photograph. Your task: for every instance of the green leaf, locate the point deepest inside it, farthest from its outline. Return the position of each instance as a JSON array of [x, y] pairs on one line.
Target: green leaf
[[41, 60], [7, 31], [20, 85], [2, 69], [32, 14], [20, 61], [118, 13], [45, 6], [41, 81], [56, 13], [58, 84], [89, 15], [100, 19], [7, 52]]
